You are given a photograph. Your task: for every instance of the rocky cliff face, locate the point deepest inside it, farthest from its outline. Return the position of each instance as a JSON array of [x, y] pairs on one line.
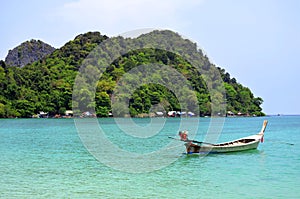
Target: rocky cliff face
[[27, 53]]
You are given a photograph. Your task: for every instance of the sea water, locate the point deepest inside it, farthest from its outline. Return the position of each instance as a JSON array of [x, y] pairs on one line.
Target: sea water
[[45, 158]]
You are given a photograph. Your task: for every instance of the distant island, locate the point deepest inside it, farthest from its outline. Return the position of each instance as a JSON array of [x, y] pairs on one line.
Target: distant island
[[36, 79]]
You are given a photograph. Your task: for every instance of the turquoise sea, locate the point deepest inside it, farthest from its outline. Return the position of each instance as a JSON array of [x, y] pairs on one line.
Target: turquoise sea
[[45, 158]]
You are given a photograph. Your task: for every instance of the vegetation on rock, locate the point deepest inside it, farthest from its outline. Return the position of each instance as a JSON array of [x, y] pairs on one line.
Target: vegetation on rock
[[27, 53], [47, 84]]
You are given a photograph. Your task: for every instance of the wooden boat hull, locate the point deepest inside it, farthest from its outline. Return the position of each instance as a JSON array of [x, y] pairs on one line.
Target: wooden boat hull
[[242, 144], [197, 149]]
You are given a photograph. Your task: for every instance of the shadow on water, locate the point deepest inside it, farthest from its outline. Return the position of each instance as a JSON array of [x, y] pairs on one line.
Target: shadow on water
[[237, 153], [206, 161]]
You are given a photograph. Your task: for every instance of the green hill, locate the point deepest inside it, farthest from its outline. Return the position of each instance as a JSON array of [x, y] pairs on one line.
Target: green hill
[[47, 84]]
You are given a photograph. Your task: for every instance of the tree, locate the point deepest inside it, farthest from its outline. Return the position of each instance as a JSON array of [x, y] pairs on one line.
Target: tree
[[47, 85]]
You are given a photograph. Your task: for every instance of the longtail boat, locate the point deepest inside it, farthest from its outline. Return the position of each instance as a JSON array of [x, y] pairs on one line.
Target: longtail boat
[[242, 144]]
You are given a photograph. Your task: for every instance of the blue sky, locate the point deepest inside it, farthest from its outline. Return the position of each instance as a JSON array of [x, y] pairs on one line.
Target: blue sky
[[256, 41]]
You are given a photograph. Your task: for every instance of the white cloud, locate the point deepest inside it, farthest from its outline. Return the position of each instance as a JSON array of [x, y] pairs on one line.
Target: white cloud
[[122, 15]]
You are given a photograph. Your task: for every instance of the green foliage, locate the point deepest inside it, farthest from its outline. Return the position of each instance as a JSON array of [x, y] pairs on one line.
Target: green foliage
[[239, 98], [47, 85]]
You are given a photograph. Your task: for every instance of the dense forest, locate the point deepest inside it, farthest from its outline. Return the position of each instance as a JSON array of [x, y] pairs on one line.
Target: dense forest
[[47, 84]]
